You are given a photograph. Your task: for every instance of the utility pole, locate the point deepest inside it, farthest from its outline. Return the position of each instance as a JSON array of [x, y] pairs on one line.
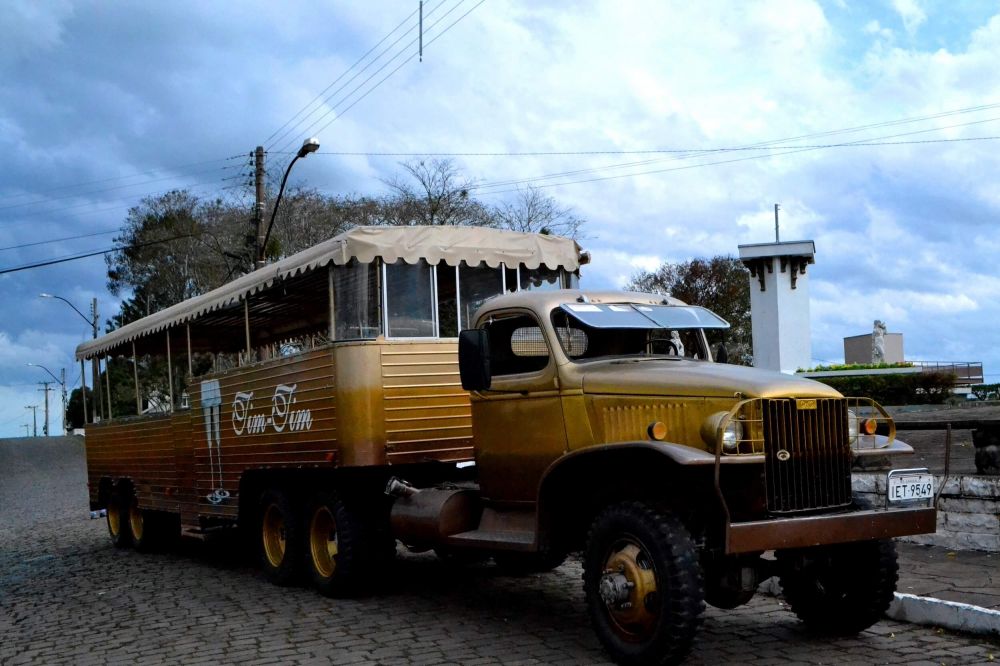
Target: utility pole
[[95, 365], [34, 419], [258, 211], [45, 389], [65, 401], [776, 238], [27, 429]]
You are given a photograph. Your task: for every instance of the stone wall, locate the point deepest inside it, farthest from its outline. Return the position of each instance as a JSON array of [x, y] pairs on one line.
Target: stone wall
[[968, 511]]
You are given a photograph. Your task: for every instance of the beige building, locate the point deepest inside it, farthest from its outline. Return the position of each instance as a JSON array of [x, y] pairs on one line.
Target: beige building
[[858, 348]]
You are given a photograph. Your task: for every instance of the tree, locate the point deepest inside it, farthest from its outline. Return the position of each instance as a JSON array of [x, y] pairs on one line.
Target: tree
[[534, 212], [164, 255], [435, 194], [720, 284]]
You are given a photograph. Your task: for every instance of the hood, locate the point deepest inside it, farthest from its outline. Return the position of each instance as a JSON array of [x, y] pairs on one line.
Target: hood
[[694, 378]]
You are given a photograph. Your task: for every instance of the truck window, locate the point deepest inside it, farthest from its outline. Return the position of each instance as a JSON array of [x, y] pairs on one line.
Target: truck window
[[517, 345]]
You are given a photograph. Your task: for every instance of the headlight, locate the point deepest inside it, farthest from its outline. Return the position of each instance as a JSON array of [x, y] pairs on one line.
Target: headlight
[[731, 436], [852, 425]]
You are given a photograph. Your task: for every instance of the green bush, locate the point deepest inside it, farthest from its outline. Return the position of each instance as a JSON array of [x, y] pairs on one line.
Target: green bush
[[986, 391], [924, 388], [857, 366]]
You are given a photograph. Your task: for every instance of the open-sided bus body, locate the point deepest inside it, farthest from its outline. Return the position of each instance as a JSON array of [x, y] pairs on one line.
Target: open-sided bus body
[[529, 419], [363, 370]]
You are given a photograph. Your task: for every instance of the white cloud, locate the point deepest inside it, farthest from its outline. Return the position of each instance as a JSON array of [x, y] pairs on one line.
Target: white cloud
[[911, 13]]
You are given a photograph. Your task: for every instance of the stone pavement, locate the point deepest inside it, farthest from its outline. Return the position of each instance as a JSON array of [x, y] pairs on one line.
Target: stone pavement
[[965, 576], [67, 596]]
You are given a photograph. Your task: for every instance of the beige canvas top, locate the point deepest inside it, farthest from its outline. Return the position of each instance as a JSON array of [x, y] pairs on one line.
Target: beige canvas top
[[450, 244]]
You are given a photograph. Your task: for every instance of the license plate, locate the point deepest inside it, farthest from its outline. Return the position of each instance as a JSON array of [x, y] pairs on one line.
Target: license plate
[[907, 485]]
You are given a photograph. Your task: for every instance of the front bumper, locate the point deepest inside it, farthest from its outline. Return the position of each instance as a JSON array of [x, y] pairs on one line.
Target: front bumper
[[805, 531]]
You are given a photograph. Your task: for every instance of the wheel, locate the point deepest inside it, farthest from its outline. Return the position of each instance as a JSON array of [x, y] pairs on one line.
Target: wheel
[[527, 563], [281, 538], [118, 521], [340, 555], [643, 584], [840, 589], [140, 526]]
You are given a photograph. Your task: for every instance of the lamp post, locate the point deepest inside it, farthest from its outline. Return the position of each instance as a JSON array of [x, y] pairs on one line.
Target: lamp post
[[62, 384], [308, 146], [94, 367]]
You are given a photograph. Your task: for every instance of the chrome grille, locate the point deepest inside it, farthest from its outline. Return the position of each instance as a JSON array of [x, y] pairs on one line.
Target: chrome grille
[[807, 454]]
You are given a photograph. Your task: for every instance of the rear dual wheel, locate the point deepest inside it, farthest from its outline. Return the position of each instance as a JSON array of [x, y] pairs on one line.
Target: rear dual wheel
[[339, 553], [118, 520], [281, 541]]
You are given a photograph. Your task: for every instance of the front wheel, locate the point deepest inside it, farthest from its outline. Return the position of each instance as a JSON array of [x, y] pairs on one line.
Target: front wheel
[[840, 589], [643, 584]]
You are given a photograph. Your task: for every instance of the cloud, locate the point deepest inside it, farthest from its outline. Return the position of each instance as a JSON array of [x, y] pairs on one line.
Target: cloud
[[97, 93], [911, 13]]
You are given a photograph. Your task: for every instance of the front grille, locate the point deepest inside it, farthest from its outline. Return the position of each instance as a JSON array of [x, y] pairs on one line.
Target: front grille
[[807, 454]]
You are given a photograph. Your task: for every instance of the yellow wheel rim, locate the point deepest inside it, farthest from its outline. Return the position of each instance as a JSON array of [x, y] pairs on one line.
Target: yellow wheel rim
[[323, 544], [114, 519], [273, 533], [635, 618], [135, 520]]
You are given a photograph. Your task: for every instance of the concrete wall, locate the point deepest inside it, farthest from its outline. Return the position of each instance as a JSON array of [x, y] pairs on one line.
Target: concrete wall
[[780, 320], [968, 512], [858, 348]]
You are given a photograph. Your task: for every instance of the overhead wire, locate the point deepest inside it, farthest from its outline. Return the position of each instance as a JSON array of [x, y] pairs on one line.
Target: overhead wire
[[59, 240], [782, 150], [319, 97], [179, 167], [334, 108], [85, 255]]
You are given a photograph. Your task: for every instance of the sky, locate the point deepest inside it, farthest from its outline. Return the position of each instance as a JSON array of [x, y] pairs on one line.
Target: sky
[[874, 125]]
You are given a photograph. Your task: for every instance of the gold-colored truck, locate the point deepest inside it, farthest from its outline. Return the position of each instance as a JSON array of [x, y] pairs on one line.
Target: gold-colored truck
[[332, 423]]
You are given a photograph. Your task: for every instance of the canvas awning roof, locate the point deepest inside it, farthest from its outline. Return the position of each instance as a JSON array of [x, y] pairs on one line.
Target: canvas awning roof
[[436, 244]]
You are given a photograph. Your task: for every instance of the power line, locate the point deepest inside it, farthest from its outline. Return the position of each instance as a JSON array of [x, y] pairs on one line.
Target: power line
[[106, 189], [427, 44], [59, 240], [329, 99], [343, 74], [62, 260], [387, 63], [783, 150]]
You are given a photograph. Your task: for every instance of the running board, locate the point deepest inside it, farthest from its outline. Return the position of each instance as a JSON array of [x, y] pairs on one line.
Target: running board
[[499, 530]]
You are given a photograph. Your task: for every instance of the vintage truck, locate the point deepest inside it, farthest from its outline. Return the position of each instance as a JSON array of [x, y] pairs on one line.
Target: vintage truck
[[327, 420]]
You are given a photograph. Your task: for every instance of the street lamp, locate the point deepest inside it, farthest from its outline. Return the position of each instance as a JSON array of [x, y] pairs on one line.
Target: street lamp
[[62, 384], [94, 367], [308, 146]]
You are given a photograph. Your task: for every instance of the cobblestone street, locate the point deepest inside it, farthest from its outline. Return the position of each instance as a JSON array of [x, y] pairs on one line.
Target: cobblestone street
[[67, 596]]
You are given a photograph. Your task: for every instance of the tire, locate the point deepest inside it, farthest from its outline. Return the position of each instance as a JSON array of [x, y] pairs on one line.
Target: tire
[[118, 523], [339, 555], [840, 589], [281, 538], [142, 526], [655, 620]]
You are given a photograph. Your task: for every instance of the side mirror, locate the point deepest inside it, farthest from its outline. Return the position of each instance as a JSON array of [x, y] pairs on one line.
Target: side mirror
[[721, 354], [474, 359]]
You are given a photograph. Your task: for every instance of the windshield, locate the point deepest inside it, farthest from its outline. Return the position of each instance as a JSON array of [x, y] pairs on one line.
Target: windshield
[[589, 331]]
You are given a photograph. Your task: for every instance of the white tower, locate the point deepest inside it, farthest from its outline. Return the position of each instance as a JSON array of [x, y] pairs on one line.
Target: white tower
[[779, 303]]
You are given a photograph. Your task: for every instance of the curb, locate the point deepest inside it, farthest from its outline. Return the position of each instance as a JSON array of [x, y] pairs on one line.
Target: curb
[[928, 611], [948, 614]]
